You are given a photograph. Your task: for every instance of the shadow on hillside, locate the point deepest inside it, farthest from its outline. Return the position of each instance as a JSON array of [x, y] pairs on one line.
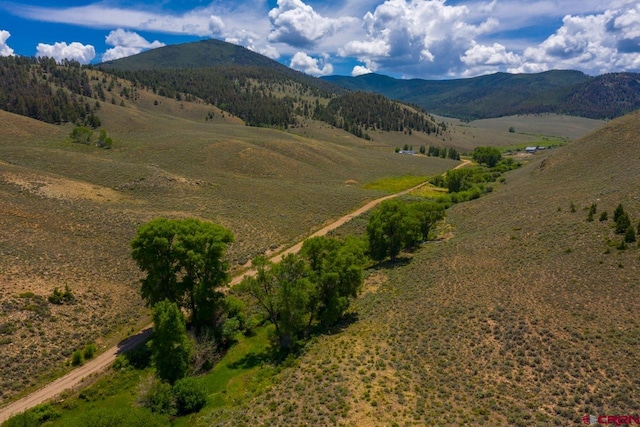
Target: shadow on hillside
[[253, 359], [400, 261], [344, 322]]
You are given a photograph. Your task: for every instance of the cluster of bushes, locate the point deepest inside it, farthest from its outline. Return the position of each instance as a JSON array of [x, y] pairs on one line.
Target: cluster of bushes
[[397, 224], [309, 291], [471, 183], [79, 356], [59, 297], [85, 135], [623, 226], [622, 223], [185, 396], [452, 153]]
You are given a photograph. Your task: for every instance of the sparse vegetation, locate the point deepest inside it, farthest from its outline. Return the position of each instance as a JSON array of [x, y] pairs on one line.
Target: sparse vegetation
[[510, 298], [59, 297]]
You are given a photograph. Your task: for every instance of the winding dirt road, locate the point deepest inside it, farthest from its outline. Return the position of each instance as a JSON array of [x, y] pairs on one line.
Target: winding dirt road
[[104, 360]]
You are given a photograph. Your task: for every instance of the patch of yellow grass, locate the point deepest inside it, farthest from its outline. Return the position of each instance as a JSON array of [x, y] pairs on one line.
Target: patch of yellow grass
[[429, 191], [396, 184]]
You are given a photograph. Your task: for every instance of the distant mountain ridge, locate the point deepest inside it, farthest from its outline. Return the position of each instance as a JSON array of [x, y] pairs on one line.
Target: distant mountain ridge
[[502, 94], [210, 53]]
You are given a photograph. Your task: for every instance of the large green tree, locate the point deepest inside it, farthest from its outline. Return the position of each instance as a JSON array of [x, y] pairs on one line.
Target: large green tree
[[282, 290], [396, 225], [184, 263], [489, 156], [336, 273], [425, 215], [388, 229], [170, 346]]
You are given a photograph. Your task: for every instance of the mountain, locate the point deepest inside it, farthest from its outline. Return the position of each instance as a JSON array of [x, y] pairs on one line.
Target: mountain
[[252, 87], [207, 54], [502, 94], [201, 54]]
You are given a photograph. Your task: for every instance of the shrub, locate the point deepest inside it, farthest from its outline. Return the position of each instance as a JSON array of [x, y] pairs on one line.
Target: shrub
[[24, 419], [118, 417], [157, 396], [58, 297], [604, 216], [77, 358], [190, 395], [34, 417], [121, 363], [630, 235], [622, 223], [89, 351]]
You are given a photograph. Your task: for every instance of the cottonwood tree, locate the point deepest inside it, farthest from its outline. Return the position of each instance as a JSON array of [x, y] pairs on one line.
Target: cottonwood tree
[[282, 290], [336, 274], [184, 263], [312, 289], [170, 346], [425, 216], [396, 225], [489, 156], [388, 229]]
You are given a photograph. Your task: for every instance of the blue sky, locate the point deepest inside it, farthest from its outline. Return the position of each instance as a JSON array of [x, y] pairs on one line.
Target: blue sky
[[437, 39]]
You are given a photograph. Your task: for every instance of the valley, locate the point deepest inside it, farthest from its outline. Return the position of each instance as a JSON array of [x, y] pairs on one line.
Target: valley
[[506, 317]]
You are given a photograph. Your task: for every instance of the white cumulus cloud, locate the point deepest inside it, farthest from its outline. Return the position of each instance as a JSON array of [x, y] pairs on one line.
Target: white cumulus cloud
[[216, 24], [4, 49], [314, 66], [595, 44], [418, 36], [360, 70], [254, 43], [483, 59], [74, 51], [298, 24], [126, 43]]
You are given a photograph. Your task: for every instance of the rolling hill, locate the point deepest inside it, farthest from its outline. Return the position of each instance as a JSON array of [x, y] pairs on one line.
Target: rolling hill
[[523, 317], [506, 320], [69, 210], [502, 94]]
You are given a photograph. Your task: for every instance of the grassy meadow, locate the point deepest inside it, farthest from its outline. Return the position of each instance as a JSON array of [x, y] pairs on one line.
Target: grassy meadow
[[69, 211], [503, 322]]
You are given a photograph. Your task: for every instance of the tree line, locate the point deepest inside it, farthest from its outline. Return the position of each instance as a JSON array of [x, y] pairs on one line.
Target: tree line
[[185, 274], [359, 112], [44, 90]]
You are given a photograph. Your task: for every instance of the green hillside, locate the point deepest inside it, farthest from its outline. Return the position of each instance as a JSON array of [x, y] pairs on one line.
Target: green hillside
[[70, 210], [502, 94], [202, 54], [259, 91], [521, 317]]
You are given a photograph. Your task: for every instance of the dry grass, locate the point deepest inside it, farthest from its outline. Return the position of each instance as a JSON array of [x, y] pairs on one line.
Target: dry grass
[[69, 211], [525, 317]]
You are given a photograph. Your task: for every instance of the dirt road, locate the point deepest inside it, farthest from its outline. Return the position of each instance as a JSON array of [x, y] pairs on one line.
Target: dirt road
[[100, 363]]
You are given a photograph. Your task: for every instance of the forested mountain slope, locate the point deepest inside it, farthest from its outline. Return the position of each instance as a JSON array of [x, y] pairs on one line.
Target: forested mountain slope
[[502, 94], [252, 87]]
